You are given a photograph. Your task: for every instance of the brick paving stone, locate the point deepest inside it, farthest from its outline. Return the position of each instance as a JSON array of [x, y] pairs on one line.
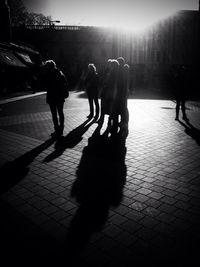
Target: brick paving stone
[[151, 211], [141, 198], [144, 191], [149, 221], [139, 206], [146, 234], [123, 210], [154, 203], [156, 195], [131, 226], [169, 200], [128, 201], [126, 238], [69, 205], [58, 215], [182, 205], [135, 215], [165, 207], [112, 230], [118, 219], [106, 243], [166, 218]]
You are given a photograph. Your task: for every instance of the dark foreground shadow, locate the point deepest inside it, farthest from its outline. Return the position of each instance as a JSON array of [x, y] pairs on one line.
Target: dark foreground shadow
[[191, 131], [70, 140], [101, 176], [23, 240], [14, 171]]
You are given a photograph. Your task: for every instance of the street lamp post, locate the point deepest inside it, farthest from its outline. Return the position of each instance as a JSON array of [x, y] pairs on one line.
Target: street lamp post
[[51, 23]]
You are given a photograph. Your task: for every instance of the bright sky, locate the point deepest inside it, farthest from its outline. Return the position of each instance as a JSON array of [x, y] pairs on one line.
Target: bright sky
[[134, 14]]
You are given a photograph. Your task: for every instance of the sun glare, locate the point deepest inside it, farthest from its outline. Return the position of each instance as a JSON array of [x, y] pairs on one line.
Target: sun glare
[[129, 15], [130, 21], [139, 25]]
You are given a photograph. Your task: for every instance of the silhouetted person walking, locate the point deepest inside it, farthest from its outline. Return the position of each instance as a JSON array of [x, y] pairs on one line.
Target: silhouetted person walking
[[92, 87], [56, 85], [180, 84]]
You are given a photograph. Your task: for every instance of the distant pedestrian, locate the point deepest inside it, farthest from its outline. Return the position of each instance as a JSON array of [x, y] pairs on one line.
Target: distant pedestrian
[[180, 89], [56, 85], [92, 88]]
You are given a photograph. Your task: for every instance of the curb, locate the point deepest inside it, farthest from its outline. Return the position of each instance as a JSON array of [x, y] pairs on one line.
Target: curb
[[12, 99]]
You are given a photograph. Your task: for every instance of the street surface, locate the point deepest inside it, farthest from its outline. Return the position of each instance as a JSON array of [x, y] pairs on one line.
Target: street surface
[[100, 202]]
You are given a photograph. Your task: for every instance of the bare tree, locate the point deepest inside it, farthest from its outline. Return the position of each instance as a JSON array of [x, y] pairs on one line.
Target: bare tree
[[20, 16], [17, 12], [37, 19]]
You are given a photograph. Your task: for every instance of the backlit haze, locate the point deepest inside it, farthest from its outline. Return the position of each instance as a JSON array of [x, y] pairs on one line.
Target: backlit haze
[[134, 15]]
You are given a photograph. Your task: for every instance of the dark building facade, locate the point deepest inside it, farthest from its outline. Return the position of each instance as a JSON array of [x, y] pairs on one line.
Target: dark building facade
[[174, 40]]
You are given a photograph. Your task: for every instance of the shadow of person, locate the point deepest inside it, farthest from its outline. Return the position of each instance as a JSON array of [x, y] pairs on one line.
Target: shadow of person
[[101, 176], [70, 140], [191, 131], [14, 171]]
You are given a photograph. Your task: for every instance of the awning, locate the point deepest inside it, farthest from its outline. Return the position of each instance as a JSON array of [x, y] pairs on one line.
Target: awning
[[9, 59], [25, 58]]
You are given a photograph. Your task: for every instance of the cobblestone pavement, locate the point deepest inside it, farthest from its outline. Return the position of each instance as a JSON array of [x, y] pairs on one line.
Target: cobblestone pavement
[[98, 202]]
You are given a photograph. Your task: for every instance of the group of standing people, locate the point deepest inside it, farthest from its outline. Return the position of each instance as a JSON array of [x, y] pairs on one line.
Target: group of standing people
[[113, 89]]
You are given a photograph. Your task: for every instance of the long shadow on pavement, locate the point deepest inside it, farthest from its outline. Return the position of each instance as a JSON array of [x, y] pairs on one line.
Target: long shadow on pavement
[[101, 176], [70, 140], [191, 131], [14, 171], [21, 240]]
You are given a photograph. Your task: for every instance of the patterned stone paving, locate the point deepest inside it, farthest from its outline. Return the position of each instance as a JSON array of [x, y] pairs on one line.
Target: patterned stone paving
[[134, 205]]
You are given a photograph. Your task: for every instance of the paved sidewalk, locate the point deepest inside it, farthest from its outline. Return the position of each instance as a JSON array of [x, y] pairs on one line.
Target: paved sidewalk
[[98, 202], [18, 96]]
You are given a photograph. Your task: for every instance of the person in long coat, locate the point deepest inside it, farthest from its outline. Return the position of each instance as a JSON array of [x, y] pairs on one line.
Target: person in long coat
[[92, 90], [56, 85], [120, 107], [109, 91]]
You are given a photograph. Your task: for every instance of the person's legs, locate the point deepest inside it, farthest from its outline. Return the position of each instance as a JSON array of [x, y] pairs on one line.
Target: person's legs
[[183, 109], [96, 101], [178, 102], [115, 123], [125, 117], [61, 116], [124, 123], [101, 119], [90, 99], [54, 116]]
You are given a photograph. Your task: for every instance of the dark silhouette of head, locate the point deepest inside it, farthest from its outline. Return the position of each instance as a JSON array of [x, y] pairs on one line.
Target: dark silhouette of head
[[121, 61], [114, 64], [50, 65], [92, 68]]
